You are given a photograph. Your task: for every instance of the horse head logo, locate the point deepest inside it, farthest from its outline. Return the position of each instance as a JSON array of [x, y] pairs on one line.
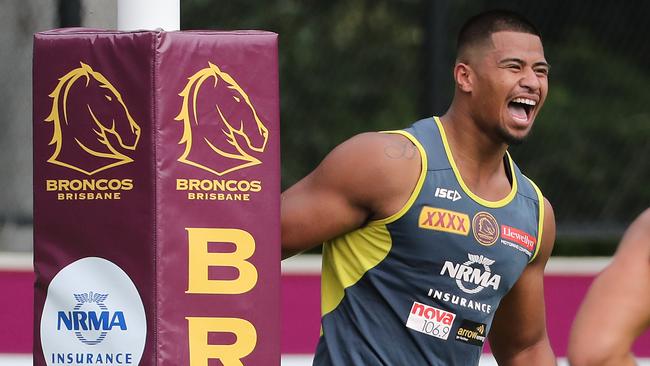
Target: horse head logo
[[90, 120], [219, 118]]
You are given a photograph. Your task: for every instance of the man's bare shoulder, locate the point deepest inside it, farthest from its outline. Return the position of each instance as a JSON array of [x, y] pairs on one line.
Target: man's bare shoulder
[[378, 145], [375, 151], [642, 223], [367, 177], [636, 241], [378, 169]]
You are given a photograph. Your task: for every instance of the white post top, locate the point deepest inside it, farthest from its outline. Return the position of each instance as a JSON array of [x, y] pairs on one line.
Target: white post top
[[148, 14]]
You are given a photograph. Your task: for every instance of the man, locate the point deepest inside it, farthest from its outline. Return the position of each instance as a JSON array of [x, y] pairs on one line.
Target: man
[[616, 309], [432, 234]]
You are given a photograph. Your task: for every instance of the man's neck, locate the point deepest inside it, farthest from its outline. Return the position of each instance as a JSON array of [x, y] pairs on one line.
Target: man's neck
[[477, 155]]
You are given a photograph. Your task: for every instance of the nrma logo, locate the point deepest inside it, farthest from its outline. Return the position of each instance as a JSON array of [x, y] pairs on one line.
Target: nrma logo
[[90, 319], [474, 275]]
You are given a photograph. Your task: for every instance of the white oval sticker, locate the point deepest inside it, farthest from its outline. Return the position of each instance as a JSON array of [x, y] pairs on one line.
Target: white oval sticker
[[93, 315]]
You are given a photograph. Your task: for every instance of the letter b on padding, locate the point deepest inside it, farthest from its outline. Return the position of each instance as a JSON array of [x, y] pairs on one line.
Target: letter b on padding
[[200, 259]]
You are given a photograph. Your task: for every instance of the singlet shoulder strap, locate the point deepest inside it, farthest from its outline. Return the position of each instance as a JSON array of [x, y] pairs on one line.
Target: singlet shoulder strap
[[418, 186], [528, 189], [540, 218], [428, 133]]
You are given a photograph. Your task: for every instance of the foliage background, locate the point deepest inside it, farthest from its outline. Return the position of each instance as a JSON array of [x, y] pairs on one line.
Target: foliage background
[[359, 65]]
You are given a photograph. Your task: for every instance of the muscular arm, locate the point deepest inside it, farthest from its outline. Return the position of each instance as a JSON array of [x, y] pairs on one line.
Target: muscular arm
[[367, 177], [518, 335], [616, 309]]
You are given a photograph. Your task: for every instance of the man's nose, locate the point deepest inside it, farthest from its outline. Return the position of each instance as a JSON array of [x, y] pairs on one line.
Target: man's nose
[[530, 80]]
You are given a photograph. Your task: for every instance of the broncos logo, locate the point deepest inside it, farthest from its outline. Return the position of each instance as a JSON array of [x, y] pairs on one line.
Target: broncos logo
[[90, 119], [218, 117]]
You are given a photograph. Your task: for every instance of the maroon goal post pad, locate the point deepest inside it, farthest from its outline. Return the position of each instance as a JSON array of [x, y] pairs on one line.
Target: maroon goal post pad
[[156, 198]]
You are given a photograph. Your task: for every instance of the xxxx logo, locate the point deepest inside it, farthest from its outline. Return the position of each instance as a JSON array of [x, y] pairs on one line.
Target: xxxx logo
[[432, 218]]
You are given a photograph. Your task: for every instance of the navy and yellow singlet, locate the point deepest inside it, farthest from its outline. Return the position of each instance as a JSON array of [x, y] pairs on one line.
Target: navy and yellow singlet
[[421, 287]]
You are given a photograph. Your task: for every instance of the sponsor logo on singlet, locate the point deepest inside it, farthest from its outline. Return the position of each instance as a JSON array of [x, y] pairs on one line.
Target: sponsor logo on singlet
[[437, 219], [431, 321], [473, 275], [485, 228], [517, 236], [450, 194], [471, 332], [458, 300]]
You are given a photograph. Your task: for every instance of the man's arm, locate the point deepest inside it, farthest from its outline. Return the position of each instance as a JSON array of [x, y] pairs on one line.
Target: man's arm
[[367, 177], [616, 309], [518, 335]]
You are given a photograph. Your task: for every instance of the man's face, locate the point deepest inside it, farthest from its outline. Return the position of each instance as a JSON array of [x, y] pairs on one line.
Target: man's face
[[511, 84]]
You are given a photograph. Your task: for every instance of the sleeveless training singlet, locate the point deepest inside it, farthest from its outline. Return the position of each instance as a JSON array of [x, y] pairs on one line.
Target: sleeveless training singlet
[[421, 287]]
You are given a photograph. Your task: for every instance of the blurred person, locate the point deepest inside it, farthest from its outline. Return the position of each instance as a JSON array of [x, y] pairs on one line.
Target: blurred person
[[616, 309], [432, 235]]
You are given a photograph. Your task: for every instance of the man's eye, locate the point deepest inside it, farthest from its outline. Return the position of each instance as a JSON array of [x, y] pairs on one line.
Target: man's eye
[[542, 71]]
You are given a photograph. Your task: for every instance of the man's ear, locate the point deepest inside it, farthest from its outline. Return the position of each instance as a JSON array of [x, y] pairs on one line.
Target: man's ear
[[463, 74]]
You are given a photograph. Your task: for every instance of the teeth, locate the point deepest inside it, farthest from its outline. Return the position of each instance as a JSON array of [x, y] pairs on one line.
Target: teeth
[[524, 101]]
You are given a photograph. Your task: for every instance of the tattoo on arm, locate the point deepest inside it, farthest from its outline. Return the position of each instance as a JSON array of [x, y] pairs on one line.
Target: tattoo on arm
[[405, 150]]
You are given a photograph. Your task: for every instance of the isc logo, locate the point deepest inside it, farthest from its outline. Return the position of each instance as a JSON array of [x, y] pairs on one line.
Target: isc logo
[[450, 194]]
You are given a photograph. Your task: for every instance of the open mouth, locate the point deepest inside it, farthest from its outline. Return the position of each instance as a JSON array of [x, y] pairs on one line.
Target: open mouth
[[521, 108]]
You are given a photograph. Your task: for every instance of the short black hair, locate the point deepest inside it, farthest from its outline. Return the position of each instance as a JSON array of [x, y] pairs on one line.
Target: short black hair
[[480, 27]]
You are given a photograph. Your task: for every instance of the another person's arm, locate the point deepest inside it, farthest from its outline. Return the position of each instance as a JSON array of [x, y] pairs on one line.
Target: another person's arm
[[518, 335], [616, 309], [367, 177]]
